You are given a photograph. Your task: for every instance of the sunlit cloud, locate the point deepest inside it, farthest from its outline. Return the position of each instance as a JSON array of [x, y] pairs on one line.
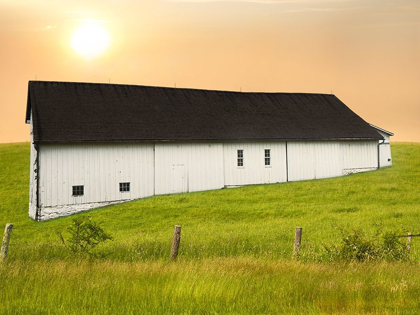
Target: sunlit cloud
[[32, 28], [393, 24], [91, 21], [43, 28], [330, 9], [270, 1], [50, 27], [413, 7], [293, 6]]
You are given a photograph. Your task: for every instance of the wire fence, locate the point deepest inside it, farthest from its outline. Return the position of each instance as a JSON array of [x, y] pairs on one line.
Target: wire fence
[[227, 241]]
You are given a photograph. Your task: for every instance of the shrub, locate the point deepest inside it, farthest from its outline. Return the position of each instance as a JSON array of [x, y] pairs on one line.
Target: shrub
[[393, 248], [356, 246], [85, 235]]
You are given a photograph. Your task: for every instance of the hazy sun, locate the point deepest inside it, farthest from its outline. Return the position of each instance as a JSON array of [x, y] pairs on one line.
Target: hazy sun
[[90, 39]]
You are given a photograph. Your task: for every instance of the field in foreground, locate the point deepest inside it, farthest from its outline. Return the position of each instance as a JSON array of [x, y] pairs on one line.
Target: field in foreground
[[235, 254]]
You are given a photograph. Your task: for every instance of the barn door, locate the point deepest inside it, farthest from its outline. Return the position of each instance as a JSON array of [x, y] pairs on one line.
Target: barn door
[[179, 179]]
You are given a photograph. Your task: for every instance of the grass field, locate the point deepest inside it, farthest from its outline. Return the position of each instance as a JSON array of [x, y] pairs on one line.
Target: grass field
[[236, 248]]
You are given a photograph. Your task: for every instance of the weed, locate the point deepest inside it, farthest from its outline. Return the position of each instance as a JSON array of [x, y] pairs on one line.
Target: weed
[[355, 246], [85, 235]]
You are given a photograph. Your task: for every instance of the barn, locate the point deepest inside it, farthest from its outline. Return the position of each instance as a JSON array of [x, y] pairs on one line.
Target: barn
[[98, 144]]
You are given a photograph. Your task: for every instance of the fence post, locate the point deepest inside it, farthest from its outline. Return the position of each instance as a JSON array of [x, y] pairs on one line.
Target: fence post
[[5, 243], [175, 242], [408, 242], [298, 239]]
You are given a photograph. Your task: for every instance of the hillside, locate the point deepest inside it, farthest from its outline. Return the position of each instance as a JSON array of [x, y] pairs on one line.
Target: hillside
[[233, 242], [255, 220]]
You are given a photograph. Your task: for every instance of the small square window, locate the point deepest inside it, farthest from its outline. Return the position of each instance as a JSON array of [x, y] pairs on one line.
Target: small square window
[[267, 157], [240, 157], [78, 190], [124, 187]]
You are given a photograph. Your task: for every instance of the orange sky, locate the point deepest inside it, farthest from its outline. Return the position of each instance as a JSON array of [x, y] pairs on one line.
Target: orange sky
[[367, 52]]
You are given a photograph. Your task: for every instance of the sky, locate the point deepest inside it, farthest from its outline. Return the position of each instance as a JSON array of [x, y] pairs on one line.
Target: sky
[[366, 52]]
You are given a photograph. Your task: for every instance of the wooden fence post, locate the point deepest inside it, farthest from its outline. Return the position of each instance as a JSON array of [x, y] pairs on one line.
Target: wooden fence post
[[175, 242], [298, 239], [5, 243], [408, 242]]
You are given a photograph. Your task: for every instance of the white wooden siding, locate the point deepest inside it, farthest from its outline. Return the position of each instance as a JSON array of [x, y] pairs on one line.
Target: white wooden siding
[[385, 150], [323, 159], [164, 168], [100, 168], [313, 160], [32, 177], [185, 167], [385, 154], [254, 170], [359, 156]]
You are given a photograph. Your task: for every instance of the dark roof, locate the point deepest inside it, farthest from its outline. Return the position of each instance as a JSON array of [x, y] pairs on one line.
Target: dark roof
[[90, 112]]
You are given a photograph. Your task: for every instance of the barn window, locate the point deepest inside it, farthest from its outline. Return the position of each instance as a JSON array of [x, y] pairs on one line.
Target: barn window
[[267, 157], [78, 190], [240, 157], [124, 187]]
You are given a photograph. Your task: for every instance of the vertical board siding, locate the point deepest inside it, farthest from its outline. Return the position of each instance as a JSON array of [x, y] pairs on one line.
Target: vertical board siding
[[328, 159], [100, 168], [385, 154], [165, 168], [254, 170], [185, 167], [323, 159], [385, 150], [32, 177], [301, 160], [359, 155]]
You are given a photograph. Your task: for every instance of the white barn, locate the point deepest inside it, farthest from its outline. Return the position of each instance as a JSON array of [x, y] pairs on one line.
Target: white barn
[[98, 144]]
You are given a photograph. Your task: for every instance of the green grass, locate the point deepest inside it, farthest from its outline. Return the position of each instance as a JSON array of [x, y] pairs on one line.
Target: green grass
[[217, 286], [236, 248]]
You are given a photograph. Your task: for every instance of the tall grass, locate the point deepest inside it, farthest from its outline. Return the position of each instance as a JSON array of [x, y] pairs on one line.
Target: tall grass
[[217, 286], [235, 254]]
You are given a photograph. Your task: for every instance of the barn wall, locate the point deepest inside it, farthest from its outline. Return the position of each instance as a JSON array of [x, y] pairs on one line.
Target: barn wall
[[254, 170], [184, 167], [32, 177], [385, 154], [385, 150], [359, 156], [100, 168], [314, 159], [165, 168], [323, 159]]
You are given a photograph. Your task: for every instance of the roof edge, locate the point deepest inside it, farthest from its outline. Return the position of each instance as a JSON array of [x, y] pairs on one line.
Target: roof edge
[[382, 130], [177, 88], [199, 140]]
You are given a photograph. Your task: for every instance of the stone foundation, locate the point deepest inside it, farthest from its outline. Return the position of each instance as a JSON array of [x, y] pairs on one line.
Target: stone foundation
[[62, 211]]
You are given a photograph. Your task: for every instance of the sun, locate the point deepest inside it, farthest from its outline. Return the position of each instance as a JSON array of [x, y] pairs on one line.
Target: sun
[[90, 39]]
